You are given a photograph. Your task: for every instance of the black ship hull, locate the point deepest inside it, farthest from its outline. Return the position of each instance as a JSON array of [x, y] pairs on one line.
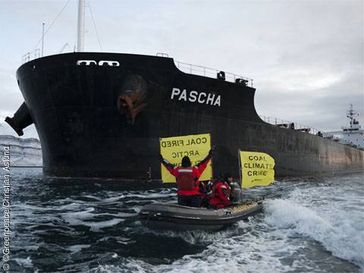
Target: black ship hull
[[102, 114]]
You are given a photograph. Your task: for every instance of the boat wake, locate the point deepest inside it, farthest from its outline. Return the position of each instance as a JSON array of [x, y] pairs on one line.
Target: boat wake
[[339, 234]]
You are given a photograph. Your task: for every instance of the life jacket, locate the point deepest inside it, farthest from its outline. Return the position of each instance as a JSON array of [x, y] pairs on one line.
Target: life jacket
[[185, 179], [187, 182]]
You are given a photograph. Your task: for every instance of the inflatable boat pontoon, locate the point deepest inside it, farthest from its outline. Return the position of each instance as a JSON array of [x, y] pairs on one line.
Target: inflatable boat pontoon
[[176, 217]]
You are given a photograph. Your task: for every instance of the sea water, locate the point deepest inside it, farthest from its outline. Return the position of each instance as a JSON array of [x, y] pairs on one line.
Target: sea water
[[308, 225]]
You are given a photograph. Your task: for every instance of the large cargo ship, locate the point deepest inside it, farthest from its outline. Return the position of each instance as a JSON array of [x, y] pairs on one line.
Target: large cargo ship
[[102, 115]]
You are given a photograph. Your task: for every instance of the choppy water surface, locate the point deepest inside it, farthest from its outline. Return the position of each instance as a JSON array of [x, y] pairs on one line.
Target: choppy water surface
[[309, 225]]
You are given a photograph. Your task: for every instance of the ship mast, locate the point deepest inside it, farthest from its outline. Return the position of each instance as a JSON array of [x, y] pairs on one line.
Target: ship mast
[[81, 26], [351, 113]]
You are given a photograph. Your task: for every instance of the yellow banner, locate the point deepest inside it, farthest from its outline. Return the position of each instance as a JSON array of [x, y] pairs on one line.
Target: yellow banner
[[196, 147], [257, 169]]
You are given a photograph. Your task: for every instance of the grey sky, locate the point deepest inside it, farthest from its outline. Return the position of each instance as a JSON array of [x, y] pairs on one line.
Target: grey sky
[[306, 57]]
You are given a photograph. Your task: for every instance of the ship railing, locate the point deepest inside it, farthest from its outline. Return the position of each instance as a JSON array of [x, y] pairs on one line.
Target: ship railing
[[213, 73], [291, 125], [29, 56]]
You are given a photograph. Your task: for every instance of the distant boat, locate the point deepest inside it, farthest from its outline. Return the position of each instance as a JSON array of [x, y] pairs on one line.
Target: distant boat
[[102, 114], [352, 135]]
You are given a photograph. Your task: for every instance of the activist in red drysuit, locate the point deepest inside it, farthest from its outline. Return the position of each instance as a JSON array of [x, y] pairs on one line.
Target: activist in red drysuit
[[220, 197], [188, 185]]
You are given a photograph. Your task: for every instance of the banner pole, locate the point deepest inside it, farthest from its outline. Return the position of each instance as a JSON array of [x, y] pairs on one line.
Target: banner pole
[[240, 169]]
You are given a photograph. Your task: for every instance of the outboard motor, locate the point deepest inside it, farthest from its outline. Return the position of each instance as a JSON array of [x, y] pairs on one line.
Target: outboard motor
[[20, 120], [236, 193]]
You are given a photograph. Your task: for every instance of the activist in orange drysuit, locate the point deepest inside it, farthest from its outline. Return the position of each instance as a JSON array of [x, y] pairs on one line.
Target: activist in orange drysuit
[[220, 196], [187, 179]]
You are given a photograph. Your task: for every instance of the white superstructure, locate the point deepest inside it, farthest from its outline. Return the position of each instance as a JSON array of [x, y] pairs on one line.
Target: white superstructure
[[351, 135]]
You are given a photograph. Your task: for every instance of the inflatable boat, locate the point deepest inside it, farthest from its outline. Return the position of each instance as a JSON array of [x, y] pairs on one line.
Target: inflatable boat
[[176, 217]]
